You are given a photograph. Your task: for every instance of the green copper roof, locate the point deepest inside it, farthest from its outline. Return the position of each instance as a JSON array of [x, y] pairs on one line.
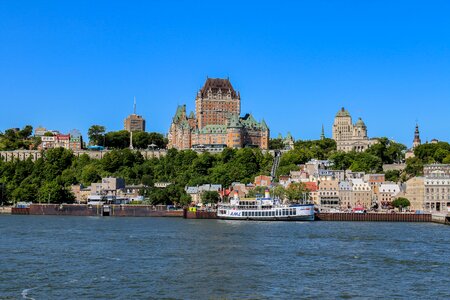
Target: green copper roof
[[234, 122], [214, 129], [288, 136], [343, 113], [360, 123], [181, 109], [264, 125]]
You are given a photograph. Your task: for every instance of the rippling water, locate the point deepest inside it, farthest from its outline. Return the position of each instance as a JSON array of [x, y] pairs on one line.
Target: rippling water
[[94, 257]]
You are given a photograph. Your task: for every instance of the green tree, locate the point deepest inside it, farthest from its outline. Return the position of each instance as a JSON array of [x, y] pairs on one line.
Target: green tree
[[258, 191], [279, 192], [401, 203], [414, 166], [392, 175], [52, 192], [212, 197], [96, 134], [297, 191], [388, 151], [276, 144], [117, 139]]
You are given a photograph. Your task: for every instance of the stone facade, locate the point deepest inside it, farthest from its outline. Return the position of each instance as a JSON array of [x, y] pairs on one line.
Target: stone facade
[[437, 191], [328, 193], [349, 136], [414, 192], [35, 154], [216, 121]]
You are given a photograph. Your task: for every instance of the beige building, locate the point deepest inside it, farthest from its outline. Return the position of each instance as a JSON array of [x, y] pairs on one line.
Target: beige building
[[355, 193], [349, 136], [415, 192], [362, 194], [328, 193], [437, 191]]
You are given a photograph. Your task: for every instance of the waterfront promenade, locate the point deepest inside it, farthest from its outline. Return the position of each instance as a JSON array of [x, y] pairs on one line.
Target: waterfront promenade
[[152, 211]]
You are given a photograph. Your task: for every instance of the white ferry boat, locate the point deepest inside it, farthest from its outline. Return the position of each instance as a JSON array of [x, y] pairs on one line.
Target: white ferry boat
[[264, 209]]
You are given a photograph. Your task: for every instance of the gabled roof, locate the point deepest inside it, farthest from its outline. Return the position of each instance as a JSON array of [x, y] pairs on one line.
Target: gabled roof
[[181, 109], [216, 85]]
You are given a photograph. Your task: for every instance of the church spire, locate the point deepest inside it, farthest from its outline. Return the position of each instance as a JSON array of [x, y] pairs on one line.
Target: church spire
[[134, 105], [322, 135], [417, 140]]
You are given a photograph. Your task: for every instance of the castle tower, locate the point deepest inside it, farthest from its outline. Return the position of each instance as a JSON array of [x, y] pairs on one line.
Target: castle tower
[[234, 132], [343, 126], [216, 101], [416, 141]]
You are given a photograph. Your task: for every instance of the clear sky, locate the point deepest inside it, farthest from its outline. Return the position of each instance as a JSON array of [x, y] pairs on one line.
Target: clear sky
[[71, 64]]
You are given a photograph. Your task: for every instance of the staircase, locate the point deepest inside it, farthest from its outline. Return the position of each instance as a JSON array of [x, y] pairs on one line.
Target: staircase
[[276, 163]]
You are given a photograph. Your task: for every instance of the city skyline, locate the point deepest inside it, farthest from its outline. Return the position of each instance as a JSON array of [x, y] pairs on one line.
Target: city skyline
[[68, 66]]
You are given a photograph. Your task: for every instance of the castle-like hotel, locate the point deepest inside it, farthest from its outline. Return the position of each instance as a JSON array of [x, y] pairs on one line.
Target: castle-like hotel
[[216, 123]]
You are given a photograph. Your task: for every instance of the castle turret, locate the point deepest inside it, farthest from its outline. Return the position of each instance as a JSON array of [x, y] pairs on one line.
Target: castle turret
[[234, 132]]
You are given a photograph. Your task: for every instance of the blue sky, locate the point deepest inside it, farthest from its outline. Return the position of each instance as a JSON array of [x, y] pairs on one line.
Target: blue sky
[[71, 64]]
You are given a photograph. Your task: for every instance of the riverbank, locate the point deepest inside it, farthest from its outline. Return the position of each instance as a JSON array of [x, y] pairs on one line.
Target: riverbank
[[95, 210], [152, 211]]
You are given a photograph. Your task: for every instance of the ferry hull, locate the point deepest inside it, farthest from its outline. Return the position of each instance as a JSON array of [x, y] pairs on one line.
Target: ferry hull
[[288, 218]]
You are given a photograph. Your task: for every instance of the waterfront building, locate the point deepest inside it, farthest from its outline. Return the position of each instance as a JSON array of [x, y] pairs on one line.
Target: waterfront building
[[388, 191], [196, 191], [349, 136], [328, 193], [134, 122], [362, 195], [345, 194], [437, 191], [216, 123], [415, 192], [313, 190]]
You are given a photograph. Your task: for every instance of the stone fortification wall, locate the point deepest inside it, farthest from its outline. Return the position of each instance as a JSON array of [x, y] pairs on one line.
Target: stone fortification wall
[[36, 154]]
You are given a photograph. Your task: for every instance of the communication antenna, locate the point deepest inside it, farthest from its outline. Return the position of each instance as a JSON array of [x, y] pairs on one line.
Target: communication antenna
[[134, 106]]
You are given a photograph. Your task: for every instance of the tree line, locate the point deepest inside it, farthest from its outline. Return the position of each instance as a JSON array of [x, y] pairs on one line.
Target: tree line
[[48, 179]]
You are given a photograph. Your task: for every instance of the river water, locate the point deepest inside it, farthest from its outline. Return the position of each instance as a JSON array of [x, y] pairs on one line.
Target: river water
[[48, 257]]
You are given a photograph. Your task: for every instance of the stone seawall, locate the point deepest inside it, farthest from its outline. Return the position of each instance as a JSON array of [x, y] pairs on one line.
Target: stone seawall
[[200, 214], [96, 210], [373, 217]]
